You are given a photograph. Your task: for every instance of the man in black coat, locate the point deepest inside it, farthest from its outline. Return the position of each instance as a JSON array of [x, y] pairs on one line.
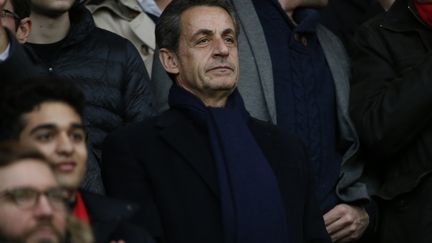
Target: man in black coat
[[205, 171], [391, 107], [65, 42], [46, 114]]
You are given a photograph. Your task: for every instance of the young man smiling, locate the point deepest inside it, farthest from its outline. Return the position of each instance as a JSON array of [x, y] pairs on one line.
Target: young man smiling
[[46, 113]]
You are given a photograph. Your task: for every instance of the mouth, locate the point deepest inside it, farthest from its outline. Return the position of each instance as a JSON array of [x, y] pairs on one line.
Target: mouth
[[65, 166], [46, 233], [221, 68]]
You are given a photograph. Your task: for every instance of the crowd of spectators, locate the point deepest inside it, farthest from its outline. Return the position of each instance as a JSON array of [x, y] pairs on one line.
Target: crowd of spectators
[[234, 121]]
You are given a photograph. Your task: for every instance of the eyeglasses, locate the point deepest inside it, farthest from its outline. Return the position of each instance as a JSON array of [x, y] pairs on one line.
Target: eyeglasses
[[6, 13], [27, 197]]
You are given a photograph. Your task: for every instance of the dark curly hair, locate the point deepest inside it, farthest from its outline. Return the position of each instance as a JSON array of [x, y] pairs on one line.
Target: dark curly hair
[[24, 96]]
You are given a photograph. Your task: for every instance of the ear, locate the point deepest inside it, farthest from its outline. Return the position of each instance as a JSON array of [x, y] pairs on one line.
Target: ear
[[23, 30], [169, 61]]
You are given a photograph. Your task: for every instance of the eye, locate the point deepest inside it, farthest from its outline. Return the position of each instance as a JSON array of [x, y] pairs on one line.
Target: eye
[[202, 41], [57, 197], [23, 197], [44, 137], [77, 136], [229, 40]]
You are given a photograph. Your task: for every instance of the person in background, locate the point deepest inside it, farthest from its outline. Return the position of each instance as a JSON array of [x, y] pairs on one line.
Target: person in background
[[15, 17], [32, 204], [132, 19], [64, 41], [343, 17], [390, 106], [46, 113]]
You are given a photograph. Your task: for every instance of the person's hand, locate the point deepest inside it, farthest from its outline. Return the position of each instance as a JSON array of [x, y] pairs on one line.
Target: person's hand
[[346, 223], [119, 241]]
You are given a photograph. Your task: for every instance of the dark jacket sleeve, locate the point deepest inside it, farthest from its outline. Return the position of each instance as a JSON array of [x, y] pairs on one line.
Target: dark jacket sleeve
[[137, 93], [390, 102]]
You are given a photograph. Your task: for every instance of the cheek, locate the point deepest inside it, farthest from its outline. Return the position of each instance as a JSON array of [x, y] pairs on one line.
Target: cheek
[[47, 149], [60, 221], [81, 152], [13, 223], [9, 24]]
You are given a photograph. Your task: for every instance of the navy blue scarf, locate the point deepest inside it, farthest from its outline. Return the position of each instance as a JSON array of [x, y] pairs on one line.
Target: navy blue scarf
[[251, 203]]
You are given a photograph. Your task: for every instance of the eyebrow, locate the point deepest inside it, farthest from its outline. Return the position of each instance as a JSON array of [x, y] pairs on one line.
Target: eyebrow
[[228, 31], [52, 126], [210, 32], [202, 32]]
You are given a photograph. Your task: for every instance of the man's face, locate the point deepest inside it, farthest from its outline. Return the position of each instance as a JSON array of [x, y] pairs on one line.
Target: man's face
[[57, 131], [51, 7], [8, 21], [41, 222], [207, 54], [20, 27]]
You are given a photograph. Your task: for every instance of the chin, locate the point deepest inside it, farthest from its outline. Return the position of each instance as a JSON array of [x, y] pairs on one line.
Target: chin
[[69, 183], [52, 239], [45, 236], [223, 85]]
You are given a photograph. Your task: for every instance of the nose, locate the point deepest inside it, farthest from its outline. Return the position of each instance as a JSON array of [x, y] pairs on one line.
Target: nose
[[220, 48], [64, 144], [43, 207]]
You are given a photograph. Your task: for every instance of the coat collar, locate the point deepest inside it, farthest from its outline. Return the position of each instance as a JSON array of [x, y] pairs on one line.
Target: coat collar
[[140, 23], [82, 25], [397, 18]]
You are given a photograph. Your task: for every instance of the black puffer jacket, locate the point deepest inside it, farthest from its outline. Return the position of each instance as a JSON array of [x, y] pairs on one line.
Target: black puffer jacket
[[109, 70]]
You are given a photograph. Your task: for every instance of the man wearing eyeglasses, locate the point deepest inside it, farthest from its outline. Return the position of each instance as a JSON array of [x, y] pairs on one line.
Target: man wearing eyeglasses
[[15, 17], [32, 205], [46, 113]]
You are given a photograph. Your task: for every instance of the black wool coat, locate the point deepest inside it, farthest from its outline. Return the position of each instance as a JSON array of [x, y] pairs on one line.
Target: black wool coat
[[166, 166]]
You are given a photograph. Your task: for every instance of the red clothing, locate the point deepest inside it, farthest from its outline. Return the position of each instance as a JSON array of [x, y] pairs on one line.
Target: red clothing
[[424, 10], [80, 210]]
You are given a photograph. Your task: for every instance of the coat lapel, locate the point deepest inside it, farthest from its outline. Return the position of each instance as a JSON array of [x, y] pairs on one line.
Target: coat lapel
[[180, 133], [255, 38], [142, 25], [337, 60]]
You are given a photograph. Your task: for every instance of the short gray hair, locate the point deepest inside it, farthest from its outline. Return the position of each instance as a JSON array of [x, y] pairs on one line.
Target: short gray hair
[[168, 28]]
